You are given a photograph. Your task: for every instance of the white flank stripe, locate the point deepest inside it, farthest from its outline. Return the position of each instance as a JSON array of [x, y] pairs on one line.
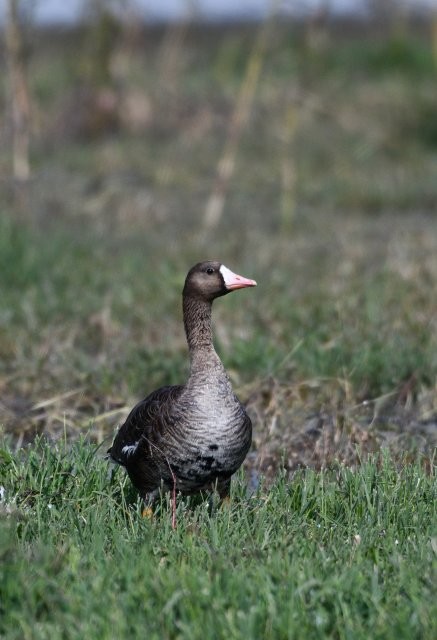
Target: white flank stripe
[[129, 449]]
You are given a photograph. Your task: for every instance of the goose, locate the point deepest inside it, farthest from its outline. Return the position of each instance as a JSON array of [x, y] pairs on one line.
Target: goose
[[193, 437]]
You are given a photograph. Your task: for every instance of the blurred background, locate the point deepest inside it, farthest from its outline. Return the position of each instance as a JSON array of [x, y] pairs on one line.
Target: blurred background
[[294, 141]]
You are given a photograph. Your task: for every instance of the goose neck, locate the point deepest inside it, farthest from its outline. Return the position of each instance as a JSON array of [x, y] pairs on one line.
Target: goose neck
[[197, 323]]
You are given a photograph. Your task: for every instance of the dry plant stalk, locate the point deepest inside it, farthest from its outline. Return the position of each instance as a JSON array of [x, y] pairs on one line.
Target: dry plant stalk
[[170, 54], [288, 168], [434, 37], [240, 116], [169, 70], [19, 93]]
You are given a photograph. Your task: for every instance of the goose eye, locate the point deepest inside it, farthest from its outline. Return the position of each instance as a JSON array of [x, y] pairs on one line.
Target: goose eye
[[209, 271]]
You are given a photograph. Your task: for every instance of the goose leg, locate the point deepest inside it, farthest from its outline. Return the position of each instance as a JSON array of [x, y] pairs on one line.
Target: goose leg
[[224, 489], [148, 500]]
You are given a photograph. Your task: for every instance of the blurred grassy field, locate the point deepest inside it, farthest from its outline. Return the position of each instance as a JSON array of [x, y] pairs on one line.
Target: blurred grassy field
[[330, 203]]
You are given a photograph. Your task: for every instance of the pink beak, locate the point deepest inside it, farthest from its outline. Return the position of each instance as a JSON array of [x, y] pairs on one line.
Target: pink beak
[[234, 281]]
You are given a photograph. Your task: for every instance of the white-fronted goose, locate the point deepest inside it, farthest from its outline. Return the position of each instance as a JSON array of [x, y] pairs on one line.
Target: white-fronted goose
[[194, 436]]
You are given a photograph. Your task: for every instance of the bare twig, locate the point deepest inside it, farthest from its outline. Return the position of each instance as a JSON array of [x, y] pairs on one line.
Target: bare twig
[[19, 93], [240, 116]]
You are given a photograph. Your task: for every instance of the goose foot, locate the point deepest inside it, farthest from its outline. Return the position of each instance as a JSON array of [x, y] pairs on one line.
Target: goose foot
[[149, 499], [147, 512]]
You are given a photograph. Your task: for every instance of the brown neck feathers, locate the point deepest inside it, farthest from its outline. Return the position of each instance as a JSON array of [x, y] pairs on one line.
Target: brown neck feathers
[[197, 323]]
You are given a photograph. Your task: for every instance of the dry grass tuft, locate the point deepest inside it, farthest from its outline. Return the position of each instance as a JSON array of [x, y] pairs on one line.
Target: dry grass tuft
[[316, 424]]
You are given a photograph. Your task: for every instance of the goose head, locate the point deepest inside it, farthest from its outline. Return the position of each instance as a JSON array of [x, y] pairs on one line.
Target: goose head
[[209, 280]]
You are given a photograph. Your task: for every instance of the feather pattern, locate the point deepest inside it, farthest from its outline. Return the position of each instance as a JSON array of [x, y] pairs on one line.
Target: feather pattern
[[196, 434]]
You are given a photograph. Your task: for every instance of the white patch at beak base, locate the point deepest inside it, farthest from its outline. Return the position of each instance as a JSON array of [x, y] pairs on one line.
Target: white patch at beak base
[[234, 281]]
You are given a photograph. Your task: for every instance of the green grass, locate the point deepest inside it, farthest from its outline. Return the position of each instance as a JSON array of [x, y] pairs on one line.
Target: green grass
[[335, 554]]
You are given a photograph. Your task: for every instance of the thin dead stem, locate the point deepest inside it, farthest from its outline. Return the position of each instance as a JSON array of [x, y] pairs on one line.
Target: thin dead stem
[[226, 165], [19, 93]]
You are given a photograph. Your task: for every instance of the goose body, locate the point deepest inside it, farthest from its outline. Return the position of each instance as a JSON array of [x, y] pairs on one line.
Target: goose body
[[193, 436]]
